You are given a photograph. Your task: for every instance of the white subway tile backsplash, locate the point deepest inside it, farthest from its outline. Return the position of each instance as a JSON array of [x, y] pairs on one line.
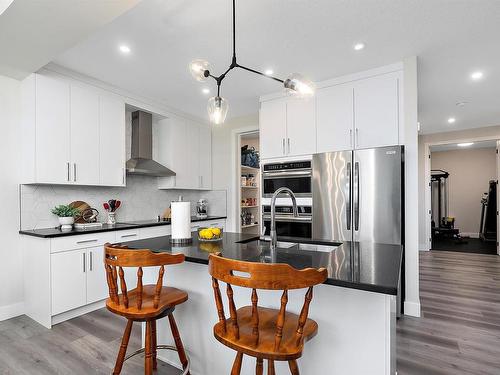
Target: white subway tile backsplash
[[141, 200]]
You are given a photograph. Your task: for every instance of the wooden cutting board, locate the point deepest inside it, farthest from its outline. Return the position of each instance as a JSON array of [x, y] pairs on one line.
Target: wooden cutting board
[[80, 206]]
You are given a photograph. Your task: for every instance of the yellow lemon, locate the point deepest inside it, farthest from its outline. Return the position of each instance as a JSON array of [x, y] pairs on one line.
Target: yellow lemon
[[215, 231]]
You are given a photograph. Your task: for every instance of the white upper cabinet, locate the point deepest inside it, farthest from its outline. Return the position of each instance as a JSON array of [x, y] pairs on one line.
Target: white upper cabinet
[[300, 126], [335, 118], [112, 140], [52, 146], [376, 111], [272, 123], [84, 133], [355, 112], [186, 149], [74, 133], [287, 127]]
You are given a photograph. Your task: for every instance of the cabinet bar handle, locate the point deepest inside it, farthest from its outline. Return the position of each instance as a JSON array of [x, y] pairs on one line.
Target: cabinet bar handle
[[357, 137], [67, 167], [288, 145], [86, 241], [350, 138], [74, 172], [283, 145], [91, 260], [123, 176], [129, 235], [84, 261]]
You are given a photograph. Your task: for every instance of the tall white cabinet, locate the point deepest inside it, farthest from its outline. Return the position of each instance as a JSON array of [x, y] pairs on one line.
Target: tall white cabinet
[[188, 153], [352, 113], [74, 133]]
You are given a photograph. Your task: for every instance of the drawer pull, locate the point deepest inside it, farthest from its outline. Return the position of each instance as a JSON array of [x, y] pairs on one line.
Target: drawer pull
[[86, 241], [129, 235]]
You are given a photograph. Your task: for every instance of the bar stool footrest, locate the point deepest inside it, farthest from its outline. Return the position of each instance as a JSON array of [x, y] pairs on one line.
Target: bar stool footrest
[[161, 347]]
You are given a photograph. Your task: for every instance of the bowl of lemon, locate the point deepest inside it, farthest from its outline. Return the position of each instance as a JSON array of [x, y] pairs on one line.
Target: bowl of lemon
[[210, 234]]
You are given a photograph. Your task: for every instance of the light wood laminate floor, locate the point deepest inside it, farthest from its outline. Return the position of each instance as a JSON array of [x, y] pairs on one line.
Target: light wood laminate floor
[[459, 332], [82, 346]]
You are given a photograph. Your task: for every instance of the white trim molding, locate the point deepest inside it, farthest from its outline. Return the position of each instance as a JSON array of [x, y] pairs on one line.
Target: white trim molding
[[11, 311], [412, 309]]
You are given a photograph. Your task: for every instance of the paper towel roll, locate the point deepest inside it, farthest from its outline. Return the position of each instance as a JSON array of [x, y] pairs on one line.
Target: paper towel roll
[[181, 220]]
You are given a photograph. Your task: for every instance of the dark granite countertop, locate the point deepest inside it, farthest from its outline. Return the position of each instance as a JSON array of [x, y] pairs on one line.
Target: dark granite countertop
[[356, 265], [57, 232]]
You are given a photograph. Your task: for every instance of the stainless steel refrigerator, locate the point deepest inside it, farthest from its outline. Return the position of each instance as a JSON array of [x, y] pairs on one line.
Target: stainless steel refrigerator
[[358, 195]]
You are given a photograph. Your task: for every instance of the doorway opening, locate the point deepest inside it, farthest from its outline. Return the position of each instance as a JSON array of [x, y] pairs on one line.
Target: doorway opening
[[463, 197]]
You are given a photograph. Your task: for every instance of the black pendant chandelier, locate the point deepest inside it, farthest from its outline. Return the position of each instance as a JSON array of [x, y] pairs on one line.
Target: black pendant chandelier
[[217, 107]]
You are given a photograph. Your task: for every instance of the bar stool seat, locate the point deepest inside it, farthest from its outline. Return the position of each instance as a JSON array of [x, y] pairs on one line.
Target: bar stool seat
[[265, 345], [169, 297]]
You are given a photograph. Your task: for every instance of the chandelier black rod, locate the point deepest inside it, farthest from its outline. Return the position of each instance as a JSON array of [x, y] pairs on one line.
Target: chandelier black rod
[[234, 63]]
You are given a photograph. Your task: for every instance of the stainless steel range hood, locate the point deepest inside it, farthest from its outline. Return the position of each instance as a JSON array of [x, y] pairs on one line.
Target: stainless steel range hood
[[141, 161]]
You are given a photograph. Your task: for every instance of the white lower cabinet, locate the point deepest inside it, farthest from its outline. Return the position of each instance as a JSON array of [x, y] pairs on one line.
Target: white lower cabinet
[[68, 279], [97, 287], [78, 278]]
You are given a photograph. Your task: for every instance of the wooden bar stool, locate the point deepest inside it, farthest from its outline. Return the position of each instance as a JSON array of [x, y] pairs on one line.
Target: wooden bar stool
[[145, 303], [263, 333]]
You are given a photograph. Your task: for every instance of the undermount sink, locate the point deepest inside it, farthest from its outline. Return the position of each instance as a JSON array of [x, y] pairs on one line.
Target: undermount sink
[[293, 245]]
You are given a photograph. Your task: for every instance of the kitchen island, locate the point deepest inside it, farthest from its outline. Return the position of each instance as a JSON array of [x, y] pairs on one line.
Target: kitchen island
[[355, 308]]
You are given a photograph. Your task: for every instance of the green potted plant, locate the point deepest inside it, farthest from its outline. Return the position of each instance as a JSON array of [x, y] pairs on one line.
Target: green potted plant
[[66, 215]]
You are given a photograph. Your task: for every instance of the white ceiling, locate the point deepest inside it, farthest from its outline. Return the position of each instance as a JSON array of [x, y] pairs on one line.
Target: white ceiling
[[33, 32], [451, 38], [454, 146]]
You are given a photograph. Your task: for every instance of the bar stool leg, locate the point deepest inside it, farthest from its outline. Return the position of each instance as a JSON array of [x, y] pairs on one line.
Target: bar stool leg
[[154, 343], [237, 364], [178, 341], [123, 348], [259, 367], [294, 368], [270, 367], [148, 358]]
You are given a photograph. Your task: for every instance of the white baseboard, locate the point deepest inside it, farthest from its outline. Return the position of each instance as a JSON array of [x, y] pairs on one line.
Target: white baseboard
[[412, 309], [471, 235], [11, 311], [423, 247]]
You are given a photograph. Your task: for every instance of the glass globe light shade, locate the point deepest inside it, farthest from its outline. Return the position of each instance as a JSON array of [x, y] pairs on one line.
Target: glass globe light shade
[[197, 68], [217, 110], [299, 86]]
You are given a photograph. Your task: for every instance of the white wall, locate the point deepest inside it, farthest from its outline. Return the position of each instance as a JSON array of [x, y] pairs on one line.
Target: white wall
[[224, 160], [11, 273], [410, 108]]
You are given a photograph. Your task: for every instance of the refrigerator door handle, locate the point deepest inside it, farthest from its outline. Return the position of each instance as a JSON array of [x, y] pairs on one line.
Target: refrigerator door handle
[[349, 196], [356, 196]]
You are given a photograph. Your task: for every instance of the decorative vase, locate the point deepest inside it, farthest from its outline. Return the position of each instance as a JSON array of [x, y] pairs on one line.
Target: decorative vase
[[111, 218], [66, 222]]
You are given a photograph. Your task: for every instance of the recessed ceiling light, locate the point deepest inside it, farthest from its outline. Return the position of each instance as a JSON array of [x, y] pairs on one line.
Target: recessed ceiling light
[[205, 90], [466, 144], [269, 72], [124, 48], [476, 76], [452, 120], [359, 46]]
